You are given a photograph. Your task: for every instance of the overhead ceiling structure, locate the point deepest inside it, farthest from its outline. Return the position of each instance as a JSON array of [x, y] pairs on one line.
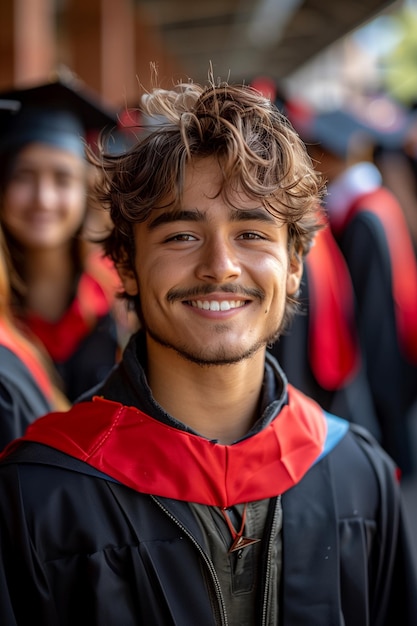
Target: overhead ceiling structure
[[242, 39]]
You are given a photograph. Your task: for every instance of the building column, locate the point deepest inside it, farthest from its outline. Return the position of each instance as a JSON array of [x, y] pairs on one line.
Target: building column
[[27, 36]]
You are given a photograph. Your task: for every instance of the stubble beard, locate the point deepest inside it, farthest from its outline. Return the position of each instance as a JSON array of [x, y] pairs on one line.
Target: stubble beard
[[221, 357]]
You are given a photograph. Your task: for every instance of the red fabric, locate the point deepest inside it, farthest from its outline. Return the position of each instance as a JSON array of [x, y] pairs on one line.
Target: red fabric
[[333, 344], [403, 263], [15, 344], [157, 459], [94, 299]]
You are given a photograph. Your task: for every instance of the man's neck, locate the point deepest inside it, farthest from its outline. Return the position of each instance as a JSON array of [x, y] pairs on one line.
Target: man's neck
[[219, 402]]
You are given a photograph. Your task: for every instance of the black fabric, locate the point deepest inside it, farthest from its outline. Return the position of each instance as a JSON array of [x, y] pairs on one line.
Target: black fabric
[[21, 400], [85, 550], [369, 552], [92, 361], [352, 401], [78, 548], [392, 379]]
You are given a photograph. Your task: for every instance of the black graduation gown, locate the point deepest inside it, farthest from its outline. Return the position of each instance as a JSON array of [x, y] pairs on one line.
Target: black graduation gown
[[392, 377], [352, 400], [305, 351], [21, 397], [79, 548], [92, 359]]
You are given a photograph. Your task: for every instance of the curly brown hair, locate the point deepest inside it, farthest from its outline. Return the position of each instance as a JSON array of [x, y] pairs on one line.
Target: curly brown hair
[[259, 152]]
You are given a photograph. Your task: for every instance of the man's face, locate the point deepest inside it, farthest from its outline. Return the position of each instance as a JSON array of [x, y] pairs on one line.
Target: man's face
[[212, 279], [45, 199]]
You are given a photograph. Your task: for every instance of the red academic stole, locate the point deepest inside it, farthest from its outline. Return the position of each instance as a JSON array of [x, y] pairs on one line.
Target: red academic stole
[[333, 343], [153, 458], [402, 259], [22, 349], [94, 298]]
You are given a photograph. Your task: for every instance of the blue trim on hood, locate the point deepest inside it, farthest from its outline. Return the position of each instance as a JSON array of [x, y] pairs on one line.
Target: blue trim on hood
[[337, 427]]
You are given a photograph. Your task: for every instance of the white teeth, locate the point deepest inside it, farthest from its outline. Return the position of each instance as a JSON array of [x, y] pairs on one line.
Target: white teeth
[[224, 305]]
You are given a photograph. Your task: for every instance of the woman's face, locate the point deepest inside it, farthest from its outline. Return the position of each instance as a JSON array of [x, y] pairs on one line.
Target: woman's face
[[44, 200]]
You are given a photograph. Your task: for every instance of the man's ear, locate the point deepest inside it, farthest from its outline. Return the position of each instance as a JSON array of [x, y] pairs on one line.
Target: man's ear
[[295, 273], [128, 278]]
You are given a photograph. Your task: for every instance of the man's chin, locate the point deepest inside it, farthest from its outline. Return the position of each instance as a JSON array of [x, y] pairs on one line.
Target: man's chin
[[214, 357], [216, 360]]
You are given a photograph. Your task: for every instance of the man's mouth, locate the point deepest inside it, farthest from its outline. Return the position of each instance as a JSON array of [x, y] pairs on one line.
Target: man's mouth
[[217, 305]]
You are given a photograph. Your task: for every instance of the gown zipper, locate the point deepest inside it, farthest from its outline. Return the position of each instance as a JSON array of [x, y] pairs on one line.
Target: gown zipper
[[218, 593]]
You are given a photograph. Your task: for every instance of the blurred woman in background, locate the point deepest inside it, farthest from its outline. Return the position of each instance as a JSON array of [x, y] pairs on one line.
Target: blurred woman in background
[[67, 289], [27, 387]]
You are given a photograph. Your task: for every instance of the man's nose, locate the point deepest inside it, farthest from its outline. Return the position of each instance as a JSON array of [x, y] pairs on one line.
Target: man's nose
[[219, 261]]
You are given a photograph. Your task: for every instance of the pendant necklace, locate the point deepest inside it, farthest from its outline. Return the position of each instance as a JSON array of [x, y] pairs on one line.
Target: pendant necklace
[[239, 541]]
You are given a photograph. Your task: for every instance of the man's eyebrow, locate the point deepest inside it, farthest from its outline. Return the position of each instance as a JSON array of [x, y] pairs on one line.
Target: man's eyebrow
[[169, 217], [195, 215], [258, 214]]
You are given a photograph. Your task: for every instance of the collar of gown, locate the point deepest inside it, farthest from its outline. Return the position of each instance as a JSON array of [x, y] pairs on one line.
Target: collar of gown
[[154, 458]]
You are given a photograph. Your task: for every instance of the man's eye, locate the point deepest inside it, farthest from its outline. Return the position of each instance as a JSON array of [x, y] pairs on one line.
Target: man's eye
[[181, 237], [251, 235]]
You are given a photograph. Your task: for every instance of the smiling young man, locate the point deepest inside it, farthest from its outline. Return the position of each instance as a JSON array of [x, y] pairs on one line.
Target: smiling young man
[[195, 486]]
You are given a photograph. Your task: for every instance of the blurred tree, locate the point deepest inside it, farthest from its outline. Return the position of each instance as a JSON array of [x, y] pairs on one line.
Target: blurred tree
[[399, 65]]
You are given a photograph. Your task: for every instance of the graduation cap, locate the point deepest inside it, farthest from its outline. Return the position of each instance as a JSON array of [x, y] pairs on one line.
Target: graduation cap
[[62, 113], [380, 122], [335, 131], [7, 109]]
